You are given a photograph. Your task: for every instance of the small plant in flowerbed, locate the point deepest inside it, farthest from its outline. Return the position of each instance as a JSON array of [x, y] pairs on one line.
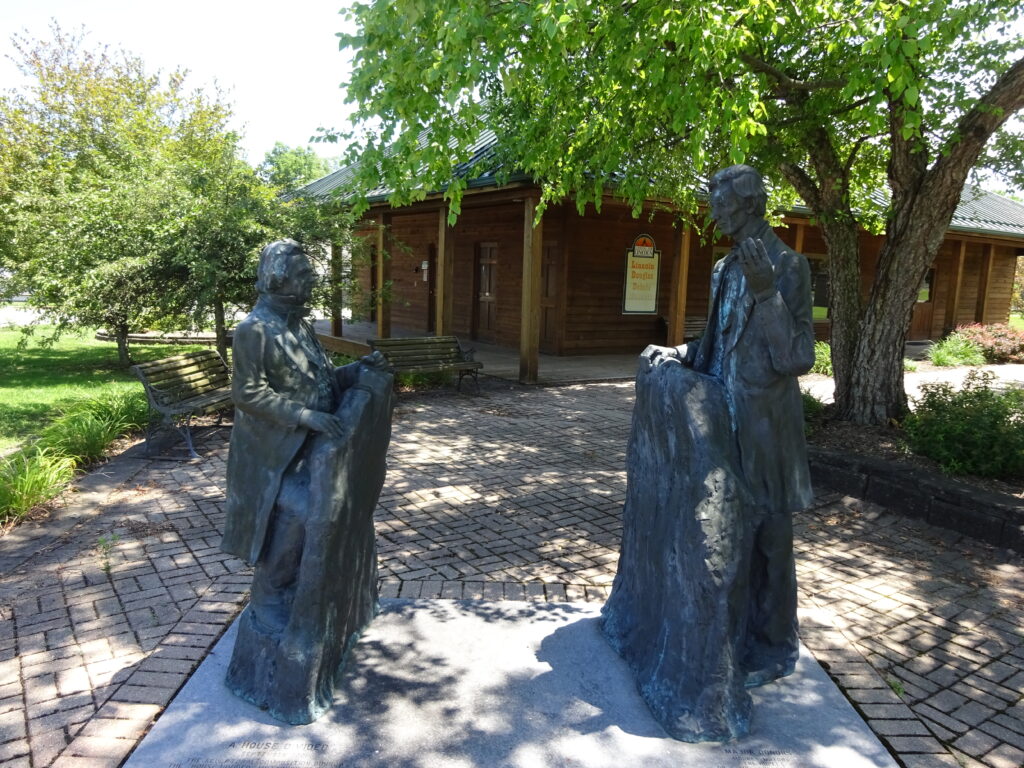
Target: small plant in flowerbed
[[955, 349], [999, 343], [814, 411], [978, 430]]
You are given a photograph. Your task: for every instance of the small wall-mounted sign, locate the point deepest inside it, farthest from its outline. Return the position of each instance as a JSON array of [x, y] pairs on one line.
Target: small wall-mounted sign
[[643, 262]]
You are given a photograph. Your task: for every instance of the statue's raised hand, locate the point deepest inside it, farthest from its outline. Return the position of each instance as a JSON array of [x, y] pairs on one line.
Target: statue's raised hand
[[757, 268]]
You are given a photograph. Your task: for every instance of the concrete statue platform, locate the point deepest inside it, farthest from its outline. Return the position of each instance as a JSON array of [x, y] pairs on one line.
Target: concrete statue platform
[[462, 684]]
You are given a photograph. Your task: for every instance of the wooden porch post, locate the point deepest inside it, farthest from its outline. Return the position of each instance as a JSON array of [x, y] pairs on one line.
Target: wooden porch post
[[443, 294], [800, 232], [529, 318], [336, 293], [383, 275], [680, 281], [953, 299], [984, 284]]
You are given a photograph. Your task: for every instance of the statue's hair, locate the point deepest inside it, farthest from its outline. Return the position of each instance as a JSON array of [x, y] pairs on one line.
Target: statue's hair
[[747, 184], [273, 266]]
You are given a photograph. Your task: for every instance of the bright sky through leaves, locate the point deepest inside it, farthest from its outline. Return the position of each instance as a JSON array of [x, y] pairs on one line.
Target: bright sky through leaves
[[278, 62]]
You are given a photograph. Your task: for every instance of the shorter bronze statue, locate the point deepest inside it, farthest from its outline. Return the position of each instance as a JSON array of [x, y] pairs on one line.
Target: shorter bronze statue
[[704, 601], [305, 468]]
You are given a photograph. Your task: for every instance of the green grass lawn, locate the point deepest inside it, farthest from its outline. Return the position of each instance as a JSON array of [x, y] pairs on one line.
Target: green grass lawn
[[36, 383], [1017, 321]]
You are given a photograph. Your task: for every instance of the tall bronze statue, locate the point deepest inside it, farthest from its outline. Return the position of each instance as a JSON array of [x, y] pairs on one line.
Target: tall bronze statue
[[717, 465], [305, 468]]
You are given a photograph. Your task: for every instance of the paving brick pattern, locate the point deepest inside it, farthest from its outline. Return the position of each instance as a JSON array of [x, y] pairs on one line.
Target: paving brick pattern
[[515, 494]]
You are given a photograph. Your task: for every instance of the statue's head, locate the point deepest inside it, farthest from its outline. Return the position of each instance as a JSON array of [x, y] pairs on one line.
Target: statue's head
[[284, 270], [737, 198]]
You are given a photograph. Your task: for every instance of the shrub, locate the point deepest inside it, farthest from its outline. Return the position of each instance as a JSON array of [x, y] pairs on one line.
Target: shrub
[[31, 477], [909, 365], [822, 358], [955, 350], [814, 409], [977, 430], [999, 343], [433, 380]]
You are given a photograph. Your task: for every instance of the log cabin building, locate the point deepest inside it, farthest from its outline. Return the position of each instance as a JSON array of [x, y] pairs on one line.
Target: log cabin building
[[606, 282]]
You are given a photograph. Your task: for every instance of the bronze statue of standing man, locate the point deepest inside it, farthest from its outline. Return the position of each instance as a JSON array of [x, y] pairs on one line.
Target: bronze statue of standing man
[[305, 467], [759, 338], [704, 602]]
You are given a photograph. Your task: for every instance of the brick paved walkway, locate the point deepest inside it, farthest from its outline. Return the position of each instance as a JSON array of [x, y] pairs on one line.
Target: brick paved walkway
[[512, 495]]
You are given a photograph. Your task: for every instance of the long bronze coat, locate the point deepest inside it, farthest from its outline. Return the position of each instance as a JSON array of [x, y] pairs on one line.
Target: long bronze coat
[[764, 347], [273, 380]]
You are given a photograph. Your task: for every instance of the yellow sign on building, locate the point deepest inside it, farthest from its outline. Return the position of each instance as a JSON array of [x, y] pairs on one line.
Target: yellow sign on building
[[643, 262]]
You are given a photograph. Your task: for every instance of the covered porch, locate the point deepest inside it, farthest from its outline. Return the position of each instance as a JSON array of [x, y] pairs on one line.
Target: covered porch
[[499, 361]]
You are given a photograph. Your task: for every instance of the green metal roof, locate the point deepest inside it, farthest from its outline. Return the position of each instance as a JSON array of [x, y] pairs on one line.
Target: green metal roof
[[979, 212]]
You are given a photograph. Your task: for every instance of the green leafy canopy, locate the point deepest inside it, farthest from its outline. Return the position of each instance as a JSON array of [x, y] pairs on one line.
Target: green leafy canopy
[[652, 95]]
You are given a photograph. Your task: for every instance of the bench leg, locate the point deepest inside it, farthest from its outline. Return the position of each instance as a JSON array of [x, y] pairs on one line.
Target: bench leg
[[184, 429], [476, 381], [154, 423]]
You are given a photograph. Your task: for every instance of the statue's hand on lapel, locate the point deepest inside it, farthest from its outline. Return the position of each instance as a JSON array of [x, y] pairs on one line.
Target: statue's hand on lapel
[[757, 268]]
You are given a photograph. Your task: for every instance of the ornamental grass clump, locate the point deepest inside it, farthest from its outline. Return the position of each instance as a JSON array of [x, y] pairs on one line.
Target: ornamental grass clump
[[978, 430], [31, 477], [88, 428], [999, 343], [79, 436], [955, 349]]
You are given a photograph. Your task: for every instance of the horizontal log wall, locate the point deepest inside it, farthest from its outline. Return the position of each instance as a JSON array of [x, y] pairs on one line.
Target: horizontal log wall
[[597, 246], [588, 254]]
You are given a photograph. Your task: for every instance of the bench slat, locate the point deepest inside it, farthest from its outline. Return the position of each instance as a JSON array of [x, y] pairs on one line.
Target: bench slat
[[210, 378], [427, 354], [170, 363], [184, 370]]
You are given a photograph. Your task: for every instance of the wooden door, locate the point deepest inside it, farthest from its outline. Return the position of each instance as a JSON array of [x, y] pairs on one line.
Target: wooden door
[[550, 270], [921, 319], [485, 307]]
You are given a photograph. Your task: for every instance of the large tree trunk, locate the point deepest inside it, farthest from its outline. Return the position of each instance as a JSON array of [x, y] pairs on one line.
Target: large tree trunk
[[841, 239], [917, 224], [220, 327]]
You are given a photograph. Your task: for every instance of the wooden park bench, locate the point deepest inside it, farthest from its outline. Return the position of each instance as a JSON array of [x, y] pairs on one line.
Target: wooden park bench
[[184, 386], [428, 354]]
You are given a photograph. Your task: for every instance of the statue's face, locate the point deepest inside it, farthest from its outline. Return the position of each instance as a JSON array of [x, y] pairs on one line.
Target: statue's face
[[728, 211], [299, 279]]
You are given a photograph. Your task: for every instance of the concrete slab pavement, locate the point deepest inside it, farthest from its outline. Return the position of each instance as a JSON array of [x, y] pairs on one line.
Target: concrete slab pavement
[[434, 684]]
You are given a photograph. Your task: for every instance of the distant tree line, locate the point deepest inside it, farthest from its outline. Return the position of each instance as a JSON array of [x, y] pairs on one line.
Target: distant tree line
[[124, 199]]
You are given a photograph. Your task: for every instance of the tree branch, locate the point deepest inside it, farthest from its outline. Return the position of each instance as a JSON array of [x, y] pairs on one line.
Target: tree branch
[[787, 83], [803, 184], [975, 128]]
